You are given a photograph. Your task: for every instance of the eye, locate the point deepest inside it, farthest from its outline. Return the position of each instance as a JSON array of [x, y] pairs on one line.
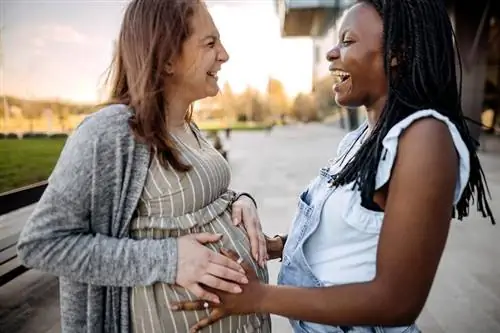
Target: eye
[[211, 44], [347, 42]]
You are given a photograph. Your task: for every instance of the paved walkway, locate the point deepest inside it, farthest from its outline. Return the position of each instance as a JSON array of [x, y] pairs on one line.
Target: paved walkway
[[275, 167]]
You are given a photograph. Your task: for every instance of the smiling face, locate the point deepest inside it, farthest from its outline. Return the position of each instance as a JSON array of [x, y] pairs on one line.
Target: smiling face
[[194, 72], [357, 60]]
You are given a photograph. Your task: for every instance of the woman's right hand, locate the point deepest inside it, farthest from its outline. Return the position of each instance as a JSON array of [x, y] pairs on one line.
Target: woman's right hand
[[198, 265]]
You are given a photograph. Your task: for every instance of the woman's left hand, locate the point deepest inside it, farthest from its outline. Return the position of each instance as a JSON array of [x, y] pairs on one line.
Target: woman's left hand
[[245, 302], [244, 211]]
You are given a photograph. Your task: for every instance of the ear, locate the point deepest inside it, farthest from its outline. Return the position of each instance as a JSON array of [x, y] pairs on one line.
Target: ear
[[169, 69]]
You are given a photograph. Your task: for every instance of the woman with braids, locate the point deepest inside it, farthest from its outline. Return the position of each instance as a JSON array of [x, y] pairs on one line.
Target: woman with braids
[[370, 230]]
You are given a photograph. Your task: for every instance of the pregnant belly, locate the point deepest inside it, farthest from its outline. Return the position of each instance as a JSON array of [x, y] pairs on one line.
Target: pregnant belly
[[150, 304]]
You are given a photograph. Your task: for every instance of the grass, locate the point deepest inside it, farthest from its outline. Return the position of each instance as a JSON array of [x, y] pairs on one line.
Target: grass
[[27, 161], [42, 124]]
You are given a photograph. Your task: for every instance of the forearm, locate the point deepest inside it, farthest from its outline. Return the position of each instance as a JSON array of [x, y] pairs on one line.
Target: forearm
[[354, 304], [103, 260], [55, 240]]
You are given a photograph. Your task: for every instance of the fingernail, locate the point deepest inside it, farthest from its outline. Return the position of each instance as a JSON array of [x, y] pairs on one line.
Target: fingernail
[[174, 307], [244, 280], [216, 300], [235, 221], [237, 289]]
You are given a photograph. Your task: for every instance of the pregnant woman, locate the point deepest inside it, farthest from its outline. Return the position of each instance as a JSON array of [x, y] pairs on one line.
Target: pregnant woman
[[138, 204]]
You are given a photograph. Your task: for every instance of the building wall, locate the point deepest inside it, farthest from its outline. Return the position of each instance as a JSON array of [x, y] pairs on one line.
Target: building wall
[[321, 46]]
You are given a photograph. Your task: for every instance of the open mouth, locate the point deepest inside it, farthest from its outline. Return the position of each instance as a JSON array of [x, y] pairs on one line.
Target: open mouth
[[340, 76], [213, 74]]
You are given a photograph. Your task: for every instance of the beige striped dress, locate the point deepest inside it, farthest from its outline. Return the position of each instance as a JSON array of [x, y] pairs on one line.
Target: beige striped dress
[[173, 204]]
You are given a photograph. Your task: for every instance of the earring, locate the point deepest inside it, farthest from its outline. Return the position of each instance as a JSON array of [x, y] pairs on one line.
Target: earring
[[169, 69]]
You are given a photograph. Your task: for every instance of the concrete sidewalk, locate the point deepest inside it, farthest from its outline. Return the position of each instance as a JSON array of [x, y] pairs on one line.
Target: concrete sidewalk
[[275, 167]]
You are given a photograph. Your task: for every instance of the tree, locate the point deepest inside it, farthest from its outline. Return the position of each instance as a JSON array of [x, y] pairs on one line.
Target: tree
[[62, 112], [228, 101], [253, 106], [31, 111], [323, 95], [277, 97], [304, 108], [3, 113]]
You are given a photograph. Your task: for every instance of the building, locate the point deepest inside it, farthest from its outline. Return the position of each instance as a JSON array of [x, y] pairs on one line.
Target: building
[[477, 28]]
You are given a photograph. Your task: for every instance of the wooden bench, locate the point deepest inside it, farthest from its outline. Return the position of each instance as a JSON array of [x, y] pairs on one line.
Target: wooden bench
[[10, 266]]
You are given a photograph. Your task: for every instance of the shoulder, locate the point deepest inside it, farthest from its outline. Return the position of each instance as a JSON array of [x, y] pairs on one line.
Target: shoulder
[[105, 129], [110, 120], [107, 126], [430, 132], [427, 140], [428, 129]]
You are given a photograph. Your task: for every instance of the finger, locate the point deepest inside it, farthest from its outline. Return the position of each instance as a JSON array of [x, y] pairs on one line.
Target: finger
[[226, 273], [219, 284], [219, 259], [230, 254], [253, 234], [206, 237], [214, 316], [234, 256], [236, 214], [199, 292], [263, 250], [192, 305]]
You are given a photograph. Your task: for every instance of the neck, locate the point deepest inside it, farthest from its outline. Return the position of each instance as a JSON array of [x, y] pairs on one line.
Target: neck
[[177, 109], [374, 111]]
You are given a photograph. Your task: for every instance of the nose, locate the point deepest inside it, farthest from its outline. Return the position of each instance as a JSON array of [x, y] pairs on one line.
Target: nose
[[223, 55], [333, 54]]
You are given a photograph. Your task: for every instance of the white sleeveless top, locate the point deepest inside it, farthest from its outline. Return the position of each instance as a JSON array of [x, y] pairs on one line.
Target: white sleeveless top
[[343, 248]]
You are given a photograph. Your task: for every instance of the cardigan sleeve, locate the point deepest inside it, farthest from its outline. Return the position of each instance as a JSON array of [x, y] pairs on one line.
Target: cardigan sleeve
[[57, 238]]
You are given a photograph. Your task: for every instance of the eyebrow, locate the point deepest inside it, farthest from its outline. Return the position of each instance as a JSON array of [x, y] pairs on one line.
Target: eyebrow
[[212, 36]]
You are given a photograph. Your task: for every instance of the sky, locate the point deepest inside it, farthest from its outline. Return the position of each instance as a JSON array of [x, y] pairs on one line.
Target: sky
[[62, 48]]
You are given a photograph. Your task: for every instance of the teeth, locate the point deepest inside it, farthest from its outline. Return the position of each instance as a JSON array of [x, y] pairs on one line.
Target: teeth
[[340, 75], [213, 74]]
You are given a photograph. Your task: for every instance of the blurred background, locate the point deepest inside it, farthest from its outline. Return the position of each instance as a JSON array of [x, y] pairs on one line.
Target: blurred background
[[275, 121]]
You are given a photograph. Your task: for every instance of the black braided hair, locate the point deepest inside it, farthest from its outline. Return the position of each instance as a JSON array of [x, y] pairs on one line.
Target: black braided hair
[[420, 35]]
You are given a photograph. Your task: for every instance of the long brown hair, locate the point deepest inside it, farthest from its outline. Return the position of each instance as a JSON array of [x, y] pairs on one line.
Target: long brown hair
[[152, 34]]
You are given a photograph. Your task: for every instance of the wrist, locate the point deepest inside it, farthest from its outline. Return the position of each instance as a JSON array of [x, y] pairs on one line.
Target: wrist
[[246, 195], [276, 245], [262, 305]]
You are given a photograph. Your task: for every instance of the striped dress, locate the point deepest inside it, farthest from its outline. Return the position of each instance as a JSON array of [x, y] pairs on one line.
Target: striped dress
[[174, 204]]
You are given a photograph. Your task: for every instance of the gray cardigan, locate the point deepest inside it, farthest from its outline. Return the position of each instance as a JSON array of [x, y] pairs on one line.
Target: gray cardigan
[[79, 228]]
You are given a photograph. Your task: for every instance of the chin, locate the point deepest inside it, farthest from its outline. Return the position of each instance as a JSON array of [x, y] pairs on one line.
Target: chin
[[347, 101], [212, 93]]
